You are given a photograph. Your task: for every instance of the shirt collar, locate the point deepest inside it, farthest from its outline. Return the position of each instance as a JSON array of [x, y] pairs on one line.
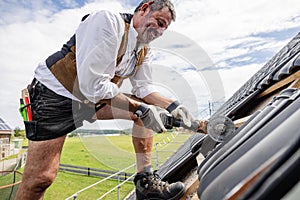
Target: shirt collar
[[132, 36]]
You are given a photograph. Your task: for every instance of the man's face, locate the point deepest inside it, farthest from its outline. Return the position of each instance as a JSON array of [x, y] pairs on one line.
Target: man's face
[[152, 24]]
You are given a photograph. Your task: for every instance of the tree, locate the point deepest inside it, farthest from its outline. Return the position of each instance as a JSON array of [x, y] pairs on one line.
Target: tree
[[19, 133]]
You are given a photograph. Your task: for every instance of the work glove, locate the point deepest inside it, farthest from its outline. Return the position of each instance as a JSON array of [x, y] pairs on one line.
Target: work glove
[[152, 116], [178, 111]]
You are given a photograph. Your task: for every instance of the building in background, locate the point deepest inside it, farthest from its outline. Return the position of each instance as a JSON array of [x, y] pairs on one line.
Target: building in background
[[6, 132]]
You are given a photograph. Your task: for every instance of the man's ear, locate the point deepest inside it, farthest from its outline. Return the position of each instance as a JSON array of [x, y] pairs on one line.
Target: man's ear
[[144, 7]]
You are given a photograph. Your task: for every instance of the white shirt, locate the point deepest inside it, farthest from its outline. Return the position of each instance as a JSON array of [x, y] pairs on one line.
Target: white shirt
[[98, 39]]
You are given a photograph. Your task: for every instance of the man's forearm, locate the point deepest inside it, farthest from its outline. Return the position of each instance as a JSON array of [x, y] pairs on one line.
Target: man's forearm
[[123, 102], [157, 99], [126, 103]]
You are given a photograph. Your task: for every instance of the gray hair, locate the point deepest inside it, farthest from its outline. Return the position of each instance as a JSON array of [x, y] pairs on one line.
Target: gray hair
[[158, 5]]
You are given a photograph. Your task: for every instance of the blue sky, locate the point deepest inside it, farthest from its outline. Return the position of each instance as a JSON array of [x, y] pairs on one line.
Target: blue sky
[[235, 37]]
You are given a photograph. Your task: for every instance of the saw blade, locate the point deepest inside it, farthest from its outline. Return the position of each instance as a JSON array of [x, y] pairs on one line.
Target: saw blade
[[219, 128]]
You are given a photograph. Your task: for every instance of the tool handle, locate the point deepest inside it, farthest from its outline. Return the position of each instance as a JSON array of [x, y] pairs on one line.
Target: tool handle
[[23, 110], [26, 99], [179, 123], [169, 122]]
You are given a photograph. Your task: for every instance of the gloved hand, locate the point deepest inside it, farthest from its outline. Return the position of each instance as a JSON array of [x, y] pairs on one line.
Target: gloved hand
[[180, 112], [151, 117]]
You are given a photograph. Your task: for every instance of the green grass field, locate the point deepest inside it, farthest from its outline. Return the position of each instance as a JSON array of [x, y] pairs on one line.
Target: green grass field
[[76, 152], [66, 184], [9, 192], [102, 152]]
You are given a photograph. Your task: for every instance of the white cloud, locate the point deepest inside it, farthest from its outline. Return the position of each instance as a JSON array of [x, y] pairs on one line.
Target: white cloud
[[226, 30], [235, 78], [215, 24], [69, 3]]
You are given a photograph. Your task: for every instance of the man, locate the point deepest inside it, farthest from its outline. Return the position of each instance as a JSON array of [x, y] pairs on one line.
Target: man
[[80, 83]]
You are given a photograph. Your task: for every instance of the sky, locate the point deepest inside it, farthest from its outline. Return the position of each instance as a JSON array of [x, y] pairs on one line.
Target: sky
[[207, 54]]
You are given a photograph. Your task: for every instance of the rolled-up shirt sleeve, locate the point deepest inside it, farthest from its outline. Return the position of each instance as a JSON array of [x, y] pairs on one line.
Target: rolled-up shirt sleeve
[[97, 42], [142, 84]]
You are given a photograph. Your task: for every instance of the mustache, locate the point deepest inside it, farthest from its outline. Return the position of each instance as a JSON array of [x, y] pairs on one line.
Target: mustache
[[153, 32]]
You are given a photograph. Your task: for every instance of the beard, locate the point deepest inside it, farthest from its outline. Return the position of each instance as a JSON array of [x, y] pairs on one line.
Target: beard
[[148, 35]]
